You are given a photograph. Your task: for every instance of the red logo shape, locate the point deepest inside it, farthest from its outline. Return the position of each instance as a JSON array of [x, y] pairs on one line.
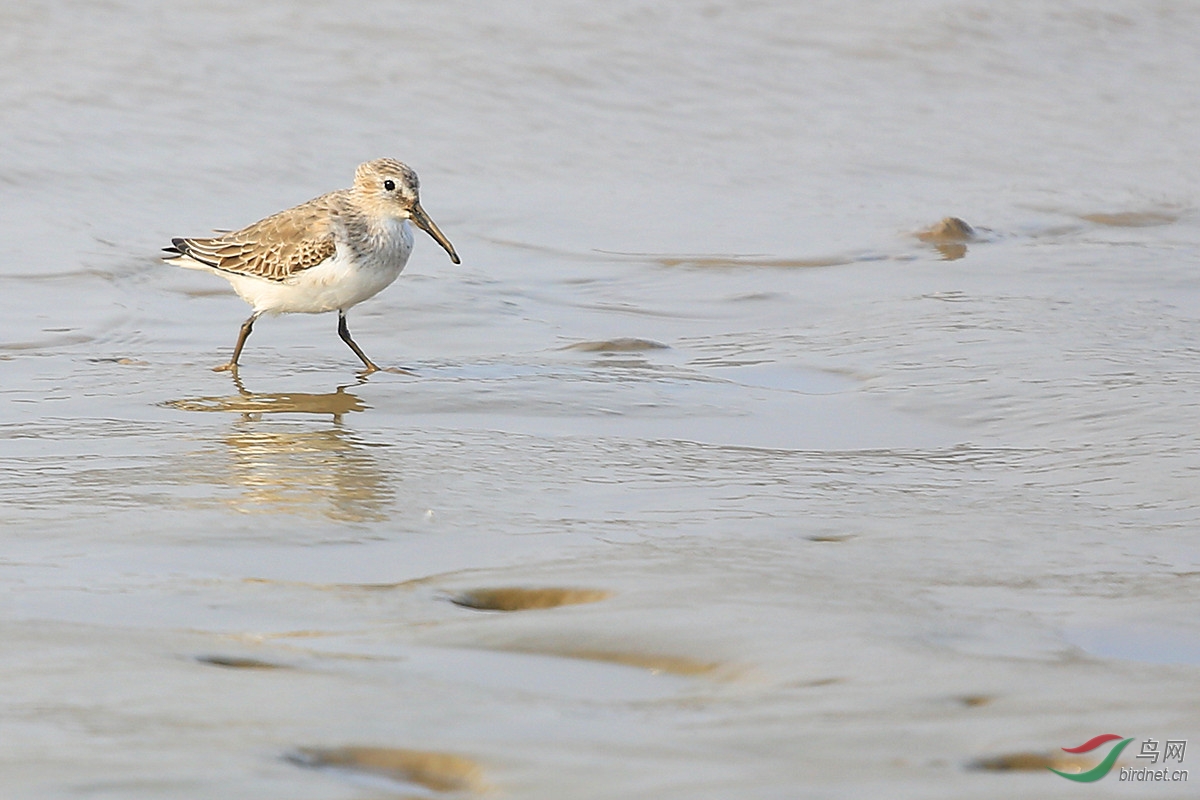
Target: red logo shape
[[1092, 744]]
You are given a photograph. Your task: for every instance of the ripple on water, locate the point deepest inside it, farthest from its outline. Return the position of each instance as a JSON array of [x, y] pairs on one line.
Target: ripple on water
[[1145, 641]]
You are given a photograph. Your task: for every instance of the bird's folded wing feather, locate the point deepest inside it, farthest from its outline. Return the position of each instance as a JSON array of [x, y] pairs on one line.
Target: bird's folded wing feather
[[275, 248]]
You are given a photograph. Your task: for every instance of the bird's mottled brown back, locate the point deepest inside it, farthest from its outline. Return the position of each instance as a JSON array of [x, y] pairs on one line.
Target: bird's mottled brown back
[[274, 248]]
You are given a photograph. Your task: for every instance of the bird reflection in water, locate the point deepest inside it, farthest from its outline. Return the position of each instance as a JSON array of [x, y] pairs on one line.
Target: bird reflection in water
[[253, 406], [284, 466]]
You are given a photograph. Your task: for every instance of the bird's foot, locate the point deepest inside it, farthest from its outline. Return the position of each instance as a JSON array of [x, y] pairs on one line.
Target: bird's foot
[[390, 370]]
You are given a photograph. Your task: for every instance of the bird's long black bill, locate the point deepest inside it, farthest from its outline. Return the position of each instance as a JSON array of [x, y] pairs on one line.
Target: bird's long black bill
[[423, 222]]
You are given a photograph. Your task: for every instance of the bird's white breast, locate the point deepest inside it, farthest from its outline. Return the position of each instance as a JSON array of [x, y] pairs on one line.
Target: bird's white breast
[[350, 276]]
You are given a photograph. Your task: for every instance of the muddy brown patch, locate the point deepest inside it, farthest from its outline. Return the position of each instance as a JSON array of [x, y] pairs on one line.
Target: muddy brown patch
[[1025, 762], [949, 237], [239, 662], [1132, 219], [439, 772], [619, 345], [515, 598], [654, 662], [950, 229]]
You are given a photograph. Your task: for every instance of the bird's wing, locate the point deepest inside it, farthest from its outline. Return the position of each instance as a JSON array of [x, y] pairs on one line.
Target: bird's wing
[[275, 248]]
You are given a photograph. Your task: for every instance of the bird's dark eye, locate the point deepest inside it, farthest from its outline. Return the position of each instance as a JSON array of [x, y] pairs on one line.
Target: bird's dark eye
[[389, 185]]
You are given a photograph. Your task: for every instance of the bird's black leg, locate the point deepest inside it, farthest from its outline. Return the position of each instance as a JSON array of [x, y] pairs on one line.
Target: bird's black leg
[[344, 332]]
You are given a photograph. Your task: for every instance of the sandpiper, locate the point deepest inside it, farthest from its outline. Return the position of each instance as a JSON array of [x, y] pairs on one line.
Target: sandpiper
[[328, 254]]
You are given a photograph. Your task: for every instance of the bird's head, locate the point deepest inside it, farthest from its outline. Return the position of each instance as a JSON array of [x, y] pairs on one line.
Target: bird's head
[[393, 188]]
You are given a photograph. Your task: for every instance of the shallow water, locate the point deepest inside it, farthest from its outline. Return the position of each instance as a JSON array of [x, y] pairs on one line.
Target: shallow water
[[859, 508]]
